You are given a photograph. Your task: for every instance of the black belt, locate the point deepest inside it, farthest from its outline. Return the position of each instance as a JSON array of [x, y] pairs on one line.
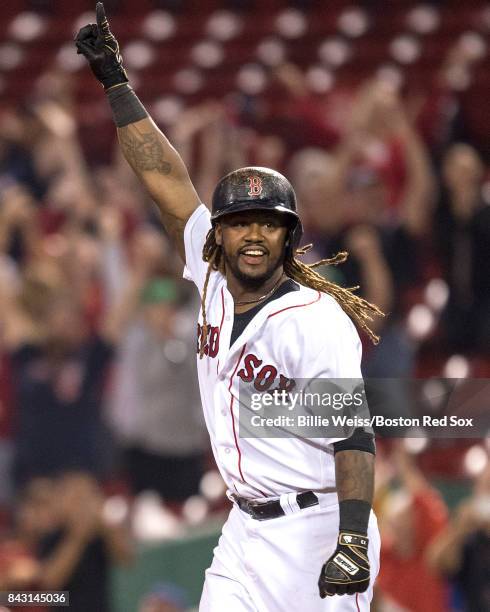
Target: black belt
[[263, 511]]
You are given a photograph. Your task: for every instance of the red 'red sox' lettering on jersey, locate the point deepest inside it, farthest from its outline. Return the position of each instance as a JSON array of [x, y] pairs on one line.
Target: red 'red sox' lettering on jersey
[[211, 346], [263, 377]]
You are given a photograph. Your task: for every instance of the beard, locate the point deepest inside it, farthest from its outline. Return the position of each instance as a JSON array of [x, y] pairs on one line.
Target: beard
[[248, 281]]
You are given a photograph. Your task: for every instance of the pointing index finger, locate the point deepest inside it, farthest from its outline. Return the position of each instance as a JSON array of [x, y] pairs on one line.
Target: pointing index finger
[[102, 22]]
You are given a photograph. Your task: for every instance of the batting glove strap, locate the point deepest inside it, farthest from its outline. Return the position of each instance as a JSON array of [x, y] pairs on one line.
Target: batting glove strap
[[347, 571], [99, 45]]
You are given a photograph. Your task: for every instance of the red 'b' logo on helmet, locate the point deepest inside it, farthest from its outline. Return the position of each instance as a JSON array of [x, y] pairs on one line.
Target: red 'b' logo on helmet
[[255, 185]]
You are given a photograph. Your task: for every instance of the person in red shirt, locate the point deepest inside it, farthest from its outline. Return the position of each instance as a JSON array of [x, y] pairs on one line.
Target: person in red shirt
[[413, 516]]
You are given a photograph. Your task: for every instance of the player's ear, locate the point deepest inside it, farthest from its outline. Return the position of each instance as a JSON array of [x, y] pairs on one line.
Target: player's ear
[[218, 234]]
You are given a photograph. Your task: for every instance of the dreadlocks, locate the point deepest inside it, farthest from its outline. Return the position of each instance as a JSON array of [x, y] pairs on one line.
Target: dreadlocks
[[359, 309]]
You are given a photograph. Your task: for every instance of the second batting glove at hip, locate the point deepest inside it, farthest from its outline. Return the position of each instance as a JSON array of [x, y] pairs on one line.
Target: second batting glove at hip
[[347, 571]]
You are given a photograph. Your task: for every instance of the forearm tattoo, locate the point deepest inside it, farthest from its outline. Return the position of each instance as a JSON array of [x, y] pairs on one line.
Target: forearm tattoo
[[354, 473], [143, 150]]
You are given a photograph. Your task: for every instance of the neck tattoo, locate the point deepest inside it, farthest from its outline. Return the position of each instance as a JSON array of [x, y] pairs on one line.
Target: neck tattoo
[[262, 297]]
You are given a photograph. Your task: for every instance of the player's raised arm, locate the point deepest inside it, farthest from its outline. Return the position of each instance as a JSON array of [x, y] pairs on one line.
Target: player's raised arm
[[152, 157]]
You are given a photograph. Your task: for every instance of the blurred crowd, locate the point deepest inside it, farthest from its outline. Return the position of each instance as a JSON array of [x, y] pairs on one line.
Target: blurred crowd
[[429, 559], [98, 390]]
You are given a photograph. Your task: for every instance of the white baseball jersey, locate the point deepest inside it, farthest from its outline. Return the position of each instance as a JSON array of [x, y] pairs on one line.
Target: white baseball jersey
[[301, 335], [272, 565]]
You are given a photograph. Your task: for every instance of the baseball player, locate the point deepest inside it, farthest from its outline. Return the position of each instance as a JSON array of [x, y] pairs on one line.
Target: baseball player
[[301, 534]]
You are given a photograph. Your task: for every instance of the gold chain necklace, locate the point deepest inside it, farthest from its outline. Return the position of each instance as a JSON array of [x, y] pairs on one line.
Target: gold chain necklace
[[263, 297]]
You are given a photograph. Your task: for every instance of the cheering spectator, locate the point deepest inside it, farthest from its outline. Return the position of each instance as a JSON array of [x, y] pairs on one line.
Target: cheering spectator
[[77, 552], [58, 373], [155, 406], [462, 551], [463, 232], [410, 519], [64, 540]]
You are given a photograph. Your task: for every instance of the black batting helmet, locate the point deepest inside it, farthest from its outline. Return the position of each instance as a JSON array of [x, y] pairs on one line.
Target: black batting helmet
[[255, 188]]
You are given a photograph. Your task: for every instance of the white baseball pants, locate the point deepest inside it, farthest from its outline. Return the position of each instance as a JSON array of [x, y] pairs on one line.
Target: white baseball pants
[[274, 565]]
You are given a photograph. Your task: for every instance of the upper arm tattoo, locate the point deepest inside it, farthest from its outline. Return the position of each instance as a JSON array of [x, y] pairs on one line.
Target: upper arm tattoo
[[143, 150]]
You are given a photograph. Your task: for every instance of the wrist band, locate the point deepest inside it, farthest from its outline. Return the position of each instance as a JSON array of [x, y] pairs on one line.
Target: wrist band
[[125, 105], [354, 515]]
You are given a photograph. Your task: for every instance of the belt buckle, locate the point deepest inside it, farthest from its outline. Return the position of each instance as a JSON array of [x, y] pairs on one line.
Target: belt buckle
[[252, 508], [242, 503], [255, 510]]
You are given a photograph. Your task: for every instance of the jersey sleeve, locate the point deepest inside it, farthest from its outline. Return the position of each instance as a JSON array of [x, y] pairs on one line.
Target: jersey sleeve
[[335, 372], [340, 355], [195, 233]]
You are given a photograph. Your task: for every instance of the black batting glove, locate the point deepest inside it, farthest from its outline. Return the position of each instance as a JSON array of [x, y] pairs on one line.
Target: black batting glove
[[98, 44], [347, 570]]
